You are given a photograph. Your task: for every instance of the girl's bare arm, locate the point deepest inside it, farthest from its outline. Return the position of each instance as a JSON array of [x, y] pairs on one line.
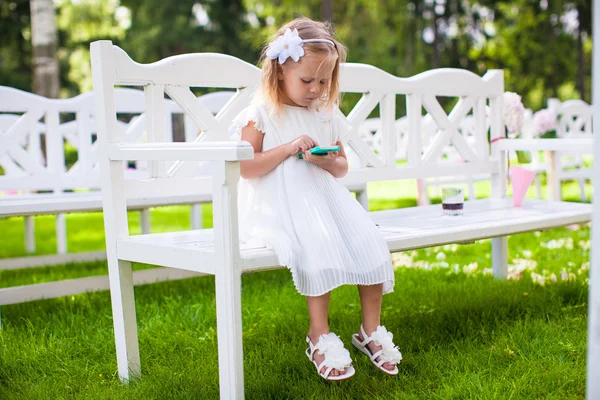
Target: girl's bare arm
[[265, 161]]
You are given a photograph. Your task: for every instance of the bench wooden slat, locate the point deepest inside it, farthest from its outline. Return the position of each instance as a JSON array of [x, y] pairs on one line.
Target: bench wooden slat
[[404, 229], [84, 202]]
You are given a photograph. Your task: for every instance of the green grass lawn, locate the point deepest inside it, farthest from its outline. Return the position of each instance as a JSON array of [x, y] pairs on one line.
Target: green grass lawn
[[463, 334]]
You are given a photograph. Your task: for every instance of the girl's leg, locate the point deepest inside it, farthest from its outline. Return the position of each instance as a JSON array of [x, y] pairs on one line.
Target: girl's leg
[[370, 300], [318, 310]]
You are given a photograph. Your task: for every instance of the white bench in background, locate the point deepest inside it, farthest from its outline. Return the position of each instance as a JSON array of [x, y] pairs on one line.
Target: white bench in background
[[574, 122], [27, 171], [219, 252]]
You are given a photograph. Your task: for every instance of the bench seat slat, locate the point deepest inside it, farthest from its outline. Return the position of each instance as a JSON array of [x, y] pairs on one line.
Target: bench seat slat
[[83, 202], [404, 229]]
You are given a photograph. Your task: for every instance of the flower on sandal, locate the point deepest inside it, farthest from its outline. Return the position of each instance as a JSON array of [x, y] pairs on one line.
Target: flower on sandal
[[390, 352], [336, 356]]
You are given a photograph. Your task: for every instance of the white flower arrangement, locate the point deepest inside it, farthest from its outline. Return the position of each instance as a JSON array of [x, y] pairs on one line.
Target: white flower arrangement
[[545, 121], [513, 115], [512, 112]]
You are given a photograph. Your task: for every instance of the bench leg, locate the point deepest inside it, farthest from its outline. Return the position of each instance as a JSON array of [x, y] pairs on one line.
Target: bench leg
[[229, 334], [471, 188], [538, 186], [196, 216], [582, 195], [363, 198], [30, 234], [500, 257], [228, 278], [553, 168], [61, 233], [422, 196], [145, 221], [124, 319]]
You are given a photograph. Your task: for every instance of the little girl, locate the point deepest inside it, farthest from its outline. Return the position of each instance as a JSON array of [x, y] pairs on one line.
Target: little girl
[[298, 207]]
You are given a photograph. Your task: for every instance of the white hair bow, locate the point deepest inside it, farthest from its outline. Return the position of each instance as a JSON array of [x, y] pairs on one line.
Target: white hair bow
[[290, 45]]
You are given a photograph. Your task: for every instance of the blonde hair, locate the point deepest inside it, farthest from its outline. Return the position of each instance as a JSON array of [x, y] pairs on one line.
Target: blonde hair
[[271, 86]]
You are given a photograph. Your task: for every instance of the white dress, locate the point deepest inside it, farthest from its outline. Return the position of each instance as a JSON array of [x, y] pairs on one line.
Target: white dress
[[313, 223]]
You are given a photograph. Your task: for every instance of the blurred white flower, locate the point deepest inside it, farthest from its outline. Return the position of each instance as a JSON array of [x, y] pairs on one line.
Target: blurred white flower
[[512, 112], [544, 121], [538, 279]]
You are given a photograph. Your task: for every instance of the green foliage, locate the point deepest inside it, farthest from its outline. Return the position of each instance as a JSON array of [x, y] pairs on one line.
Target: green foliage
[[533, 43], [80, 23], [15, 51]]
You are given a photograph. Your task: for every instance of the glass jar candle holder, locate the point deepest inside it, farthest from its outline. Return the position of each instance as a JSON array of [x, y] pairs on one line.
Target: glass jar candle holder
[[453, 200]]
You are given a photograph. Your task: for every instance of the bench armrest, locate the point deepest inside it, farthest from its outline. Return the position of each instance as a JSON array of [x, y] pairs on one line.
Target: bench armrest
[[566, 145], [209, 151]]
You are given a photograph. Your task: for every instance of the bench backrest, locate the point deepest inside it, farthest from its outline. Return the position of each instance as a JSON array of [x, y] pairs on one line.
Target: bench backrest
[[575, 119], [176, 76], [35, 133], [422, 93]]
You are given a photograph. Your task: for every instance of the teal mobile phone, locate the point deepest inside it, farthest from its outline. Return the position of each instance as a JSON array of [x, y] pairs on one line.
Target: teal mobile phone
[[321, 150]]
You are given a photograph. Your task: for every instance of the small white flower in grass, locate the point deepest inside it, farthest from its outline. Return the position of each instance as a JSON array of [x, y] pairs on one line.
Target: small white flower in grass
[[451, 247], [515, 272], [470, 268], [402, 260], [544, 121], [538, 279], [512, 112], [487, 271], [572, 276], [559, 243], [526, 263], [585, 245], [553, 277], [527, 253], [287, 45], [440, 256], [563, 275], [585, 266]]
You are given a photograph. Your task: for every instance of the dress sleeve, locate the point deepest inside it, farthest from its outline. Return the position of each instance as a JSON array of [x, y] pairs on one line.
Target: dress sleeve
[[249, 114]]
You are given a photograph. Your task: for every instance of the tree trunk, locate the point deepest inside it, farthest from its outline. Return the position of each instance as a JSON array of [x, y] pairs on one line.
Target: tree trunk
[[44, 44], [436, 50], [410, 43], [580, 67], [327, 10]]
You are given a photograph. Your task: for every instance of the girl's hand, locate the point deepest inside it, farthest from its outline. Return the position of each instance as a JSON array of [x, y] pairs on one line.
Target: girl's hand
[[324, 161], [301, 144]]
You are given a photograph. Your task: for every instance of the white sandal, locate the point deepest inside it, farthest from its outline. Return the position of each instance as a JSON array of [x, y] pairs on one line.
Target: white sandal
[[336, 357], [388, 354]]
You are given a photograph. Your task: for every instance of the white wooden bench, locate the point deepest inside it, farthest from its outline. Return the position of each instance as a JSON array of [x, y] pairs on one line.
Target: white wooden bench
[[218, 251], [27, 171], [574, 122]]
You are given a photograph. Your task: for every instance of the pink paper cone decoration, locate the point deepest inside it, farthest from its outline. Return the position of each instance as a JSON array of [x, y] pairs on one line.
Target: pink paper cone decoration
[[521, 180]]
